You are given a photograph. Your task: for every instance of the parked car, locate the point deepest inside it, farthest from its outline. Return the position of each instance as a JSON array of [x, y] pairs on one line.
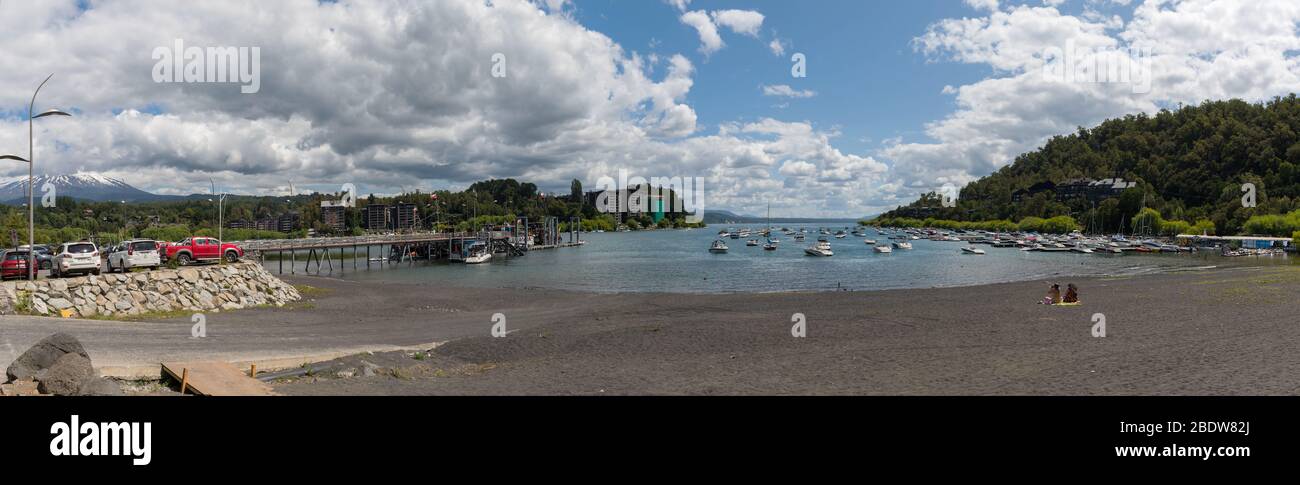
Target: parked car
[[44, 256], [201, 248], [134, 253], [13, 265], [76, 257]]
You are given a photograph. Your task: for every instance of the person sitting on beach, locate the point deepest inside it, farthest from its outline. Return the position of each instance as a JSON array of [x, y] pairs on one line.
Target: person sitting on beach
[[1053, 295], [1071, 293]]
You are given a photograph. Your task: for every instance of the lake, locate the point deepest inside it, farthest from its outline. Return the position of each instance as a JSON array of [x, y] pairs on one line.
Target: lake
[[679, 261]]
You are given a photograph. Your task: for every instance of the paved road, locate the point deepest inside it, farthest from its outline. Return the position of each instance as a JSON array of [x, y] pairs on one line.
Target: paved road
[[347, 318]]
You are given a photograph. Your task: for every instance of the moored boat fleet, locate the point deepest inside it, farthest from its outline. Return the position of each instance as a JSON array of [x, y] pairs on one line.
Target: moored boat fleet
[[890, 239]]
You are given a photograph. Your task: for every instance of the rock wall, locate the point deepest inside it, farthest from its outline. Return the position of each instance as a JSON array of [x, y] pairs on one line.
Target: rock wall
[[195, 288]]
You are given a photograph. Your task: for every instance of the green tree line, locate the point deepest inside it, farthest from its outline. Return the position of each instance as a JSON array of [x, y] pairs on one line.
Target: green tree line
[[1189, 166]]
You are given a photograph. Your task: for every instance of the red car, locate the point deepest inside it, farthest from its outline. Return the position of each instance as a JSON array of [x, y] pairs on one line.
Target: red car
[[14, 265], [200, 248]]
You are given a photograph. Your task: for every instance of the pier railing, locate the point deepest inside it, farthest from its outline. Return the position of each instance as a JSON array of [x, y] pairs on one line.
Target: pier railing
[[265, 245]]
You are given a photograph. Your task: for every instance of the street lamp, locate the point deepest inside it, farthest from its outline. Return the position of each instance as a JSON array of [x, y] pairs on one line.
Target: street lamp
[[31, 190], [221, 200], [24, 160]]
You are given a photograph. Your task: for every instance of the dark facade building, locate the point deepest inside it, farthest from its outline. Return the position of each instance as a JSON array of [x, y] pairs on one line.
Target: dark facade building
[[377, 217], [1079, 188], [634, 200], [333, 215], [1023, 194], [288, 222], [404, 216]]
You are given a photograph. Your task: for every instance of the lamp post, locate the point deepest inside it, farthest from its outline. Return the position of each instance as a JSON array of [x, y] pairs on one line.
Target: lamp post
[[221, 201], [31, 190], [30, 249]]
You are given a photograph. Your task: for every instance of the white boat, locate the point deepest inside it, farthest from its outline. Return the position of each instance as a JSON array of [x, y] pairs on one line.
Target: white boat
[[869, 242], [902, 245], [821, 248], [971, 250], [751, 242], [883, 248], [477, 253], [718, 247], [770, 246]]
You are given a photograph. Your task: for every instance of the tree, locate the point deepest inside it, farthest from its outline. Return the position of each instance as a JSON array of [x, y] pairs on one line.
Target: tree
[[575, 192]]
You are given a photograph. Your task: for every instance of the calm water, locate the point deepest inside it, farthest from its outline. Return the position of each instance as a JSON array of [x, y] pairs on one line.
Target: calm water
[[679, 261]]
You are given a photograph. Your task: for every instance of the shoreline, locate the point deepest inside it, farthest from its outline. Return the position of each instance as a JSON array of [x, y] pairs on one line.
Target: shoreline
[[988, 339], [1218, 331]]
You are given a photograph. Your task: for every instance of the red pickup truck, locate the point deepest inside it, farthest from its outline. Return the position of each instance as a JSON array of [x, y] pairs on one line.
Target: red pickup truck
[[193, 249]]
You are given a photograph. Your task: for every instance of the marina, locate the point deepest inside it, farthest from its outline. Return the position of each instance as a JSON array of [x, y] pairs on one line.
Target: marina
[[682, 261]]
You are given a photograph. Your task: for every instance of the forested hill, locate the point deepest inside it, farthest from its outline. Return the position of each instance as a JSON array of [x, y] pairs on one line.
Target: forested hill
[[1189, 164]]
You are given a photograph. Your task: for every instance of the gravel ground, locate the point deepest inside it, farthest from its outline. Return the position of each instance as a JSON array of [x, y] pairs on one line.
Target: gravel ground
[[1225, 331]]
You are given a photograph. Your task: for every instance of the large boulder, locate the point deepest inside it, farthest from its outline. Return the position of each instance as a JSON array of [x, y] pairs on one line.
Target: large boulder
[[101, 387], [67, 377], [43, 355]]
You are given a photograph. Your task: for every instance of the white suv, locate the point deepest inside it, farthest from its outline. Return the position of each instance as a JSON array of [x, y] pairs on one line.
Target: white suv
[[134, 253], [75, 257]]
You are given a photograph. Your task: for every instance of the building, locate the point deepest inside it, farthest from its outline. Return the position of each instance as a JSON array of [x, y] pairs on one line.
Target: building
[[1107, 188], [404, 216], [288, 222], [1078, 188], [333, 214], [376, 217], [1022, 194], [1248, 242], [634, 200]]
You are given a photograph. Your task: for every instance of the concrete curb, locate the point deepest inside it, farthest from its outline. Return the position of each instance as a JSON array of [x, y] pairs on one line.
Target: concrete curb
[[153, 371]]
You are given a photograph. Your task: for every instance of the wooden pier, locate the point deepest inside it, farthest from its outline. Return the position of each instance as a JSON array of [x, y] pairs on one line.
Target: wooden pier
[[394, 249]]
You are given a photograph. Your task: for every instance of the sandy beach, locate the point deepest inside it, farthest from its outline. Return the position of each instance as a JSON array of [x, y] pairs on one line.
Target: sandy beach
[[1211, 332]]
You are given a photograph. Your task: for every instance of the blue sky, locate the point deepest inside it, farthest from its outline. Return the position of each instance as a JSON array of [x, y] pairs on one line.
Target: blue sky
[[869, 80]]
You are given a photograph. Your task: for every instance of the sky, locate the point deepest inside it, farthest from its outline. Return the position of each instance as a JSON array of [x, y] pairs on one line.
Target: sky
[[895, 98]]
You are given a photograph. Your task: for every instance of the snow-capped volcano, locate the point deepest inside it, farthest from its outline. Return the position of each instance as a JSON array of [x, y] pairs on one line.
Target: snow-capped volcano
[[85, 186]]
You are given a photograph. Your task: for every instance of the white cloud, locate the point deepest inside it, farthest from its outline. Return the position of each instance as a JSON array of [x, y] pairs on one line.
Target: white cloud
[[382, 94], [745, 22], [680, 5], [710, 41], [787, 91], [1196, 49], [777, 47]]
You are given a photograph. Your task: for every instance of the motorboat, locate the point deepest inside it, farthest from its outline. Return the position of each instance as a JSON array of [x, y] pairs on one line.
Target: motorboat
[[821, 248], [751, 242], [971, 250], [883, 248], [478, 253], [902, 245], [718, 247]]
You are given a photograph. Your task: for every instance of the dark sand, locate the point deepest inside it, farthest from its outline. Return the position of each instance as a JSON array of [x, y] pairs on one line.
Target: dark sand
[[1225, 331]]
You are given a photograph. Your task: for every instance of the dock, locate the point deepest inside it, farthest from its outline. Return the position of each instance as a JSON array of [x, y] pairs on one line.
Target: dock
[[322, 253]]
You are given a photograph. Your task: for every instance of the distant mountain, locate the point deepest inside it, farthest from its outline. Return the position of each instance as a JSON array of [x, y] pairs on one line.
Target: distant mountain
[[83, 186], [724, 217]]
